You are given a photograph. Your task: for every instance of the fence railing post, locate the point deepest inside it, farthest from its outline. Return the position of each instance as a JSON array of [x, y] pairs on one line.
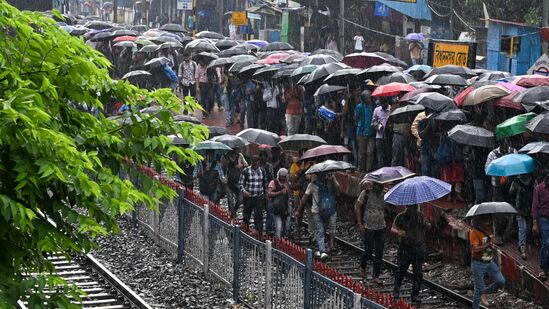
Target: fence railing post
[[205, 244], [357, 301], [307, 286], [236, 263], [180, 226], [268, 273]]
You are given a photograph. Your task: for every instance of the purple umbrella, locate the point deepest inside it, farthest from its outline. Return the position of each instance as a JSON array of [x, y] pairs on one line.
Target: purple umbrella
[[511, 87], [415, 36], [258, 43], [388, 174]]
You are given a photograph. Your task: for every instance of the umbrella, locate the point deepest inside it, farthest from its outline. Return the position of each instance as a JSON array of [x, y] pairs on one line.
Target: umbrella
[[286, 71], [453, 70], [535, 147], [124, 32], [148, 49], [415, 36], [412, 109], [434, 101], [98, 25], [201, 45], [460, 97], [205, 56], [446, 79], [142, 41], [337, 55], [173, 28], [139, 28], [324, 70], [494, 75], [165, 39], [220, 62], [225, 44], [293, 58], [212, 146], [514, 125], [392, 59], [299, 72], [151, 33], [125, 38], [297, 142], [273, 59], [258, 43], [409, 96], [489, 208], [231, 141], [242, 58], [265, 73], [177, 140], [451, 115], [531, 97], [510, 165], [237, 66], [258, 136], [186, 118], [137, 73], [79, 30], [209, 35], [102, 36], [417, 190], [510, 86], [330, 166], [167, 45], [388, 174], [216, 131], [473, 136], [304, 79], [397, 77], [234, 51], [276, 46], [507, 101], [539, 124], [324, 89], [363, 60], [532, 81], [378, 71], [318, 60], [392, 89], [324, 150], [249, 70], [342, 77], [418, 70], [126, 44], [157, 62], [485, 93]]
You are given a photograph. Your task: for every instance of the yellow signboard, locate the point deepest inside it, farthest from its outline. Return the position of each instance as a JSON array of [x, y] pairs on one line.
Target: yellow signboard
[[444, 54], [239, 19]]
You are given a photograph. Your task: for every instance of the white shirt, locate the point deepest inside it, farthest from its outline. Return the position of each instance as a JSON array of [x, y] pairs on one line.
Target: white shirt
[[359, 42], [272, 103]]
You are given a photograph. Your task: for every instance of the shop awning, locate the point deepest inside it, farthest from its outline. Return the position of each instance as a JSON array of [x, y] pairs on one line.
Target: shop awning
[[417, 9]]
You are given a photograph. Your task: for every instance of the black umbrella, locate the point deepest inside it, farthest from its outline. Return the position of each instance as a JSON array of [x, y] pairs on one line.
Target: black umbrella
[[397, 77], [260, 137], [173, 28], [98, 25], [275, 46], [265, 73], [534, 98], [286, 71], [293, 58], [535, 147], [165, 39], [408, 109], [78, 30], [102, 36], [471, 135], [434, 101], [138, 73], [235, 68], [177, 140], [225, 44], [318, 60], [446, 79], [539, 124], [124, 32], [139, 28], [249, 70], [297, 142], [481, 83], [494, 75], [234, 51], [157, 62], [451, 115], [209, 35], [377, 71], [220, 62], [337, 55], [201, 45], [324, 89], [186, 118], [392, 59], [452, 69], [231, 141], [205, 56], [304, 79], [342, 77], [324, 70], [148, 49], [217, 131]]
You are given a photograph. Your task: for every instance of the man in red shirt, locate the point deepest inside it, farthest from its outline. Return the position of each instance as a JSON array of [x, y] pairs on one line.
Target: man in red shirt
[[540, 222]]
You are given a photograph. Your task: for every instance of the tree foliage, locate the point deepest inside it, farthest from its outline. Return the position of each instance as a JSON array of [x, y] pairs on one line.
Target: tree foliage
[[60, 162]]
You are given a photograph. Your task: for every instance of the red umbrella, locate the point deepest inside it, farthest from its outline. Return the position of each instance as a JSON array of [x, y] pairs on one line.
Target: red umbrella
[[532, 81], [324, 150], [507, 101], [125, 38], [363, 60], [461, 96], [392, 89], [273, 59]]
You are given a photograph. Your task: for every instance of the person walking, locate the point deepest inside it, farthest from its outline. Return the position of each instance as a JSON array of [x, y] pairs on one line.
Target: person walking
[[410, 227], [482, 255], [540, 222], [370, 218], [523, 188], [208, 173], [203, 87], [234, 162], [186, 74], [294, 109], [379, 121], [278, 192], [365, 133], [253, 184]]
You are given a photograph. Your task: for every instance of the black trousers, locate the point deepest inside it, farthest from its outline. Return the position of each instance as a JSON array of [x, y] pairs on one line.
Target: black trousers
[[410, 255], [256, 205], [374, 242], [189, 90]]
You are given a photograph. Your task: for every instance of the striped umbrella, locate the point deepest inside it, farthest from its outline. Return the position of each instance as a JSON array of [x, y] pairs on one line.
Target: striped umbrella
[[417, 190]]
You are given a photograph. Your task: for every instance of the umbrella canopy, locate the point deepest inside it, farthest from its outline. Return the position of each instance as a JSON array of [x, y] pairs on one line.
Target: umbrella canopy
[[220, 62], [148, 49], [249, 70], [324, 89], [173, 28], [485, 93], [434, 101], [490, 208], [209, 35], [494, 75], [324, 70], [378, 71], [168, 45], [165, 39], [408, 109], [299, 72], [473, 136], [186, 118], [392, 89], [514, 125], [177, 140], [446, 79], [532, 81], [397, 77], [539, 124], [415, 36], [102, 36], [409, 96], [535, 147], [452, 69], [337, 55], [124, 32], [231, 141], [456, 115], [363, 60], [286, 71], [324, 150], [388, 174], [201, 45], [258, 136], [417, 190], [460, 97], [126, 44], [216, 131], [237, 66], [510, 165], [507, 101], [225, 44], [274, 46], [211, 146], [205, 56], [234, 51], [258, 43], [418, 70], [293, 58], [265, 73], [273, 58], [318, 60], [125, 38], [138, 73], [342, 77], [531, 97], [297, 142], [243, 58], [329, 166], [98, 25], [157, 62]]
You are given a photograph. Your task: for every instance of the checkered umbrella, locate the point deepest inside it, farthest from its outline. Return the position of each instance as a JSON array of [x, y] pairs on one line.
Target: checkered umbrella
[[417, 190]]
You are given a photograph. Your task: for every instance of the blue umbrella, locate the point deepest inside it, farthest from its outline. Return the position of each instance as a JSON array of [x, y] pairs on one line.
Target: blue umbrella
[[415, 36], [418, 67], [417, 190], [511, 164]]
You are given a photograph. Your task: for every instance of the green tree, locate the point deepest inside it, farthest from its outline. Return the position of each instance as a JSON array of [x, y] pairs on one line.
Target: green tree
[[60, 163]]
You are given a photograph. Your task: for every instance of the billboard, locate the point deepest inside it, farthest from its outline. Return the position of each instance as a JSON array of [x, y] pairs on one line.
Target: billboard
[[442, 52]]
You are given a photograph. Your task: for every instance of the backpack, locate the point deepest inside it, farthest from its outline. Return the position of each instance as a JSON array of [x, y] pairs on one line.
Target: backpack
[[207, 183], [280, 203], [212, 76], [524, 197], [326, 201]]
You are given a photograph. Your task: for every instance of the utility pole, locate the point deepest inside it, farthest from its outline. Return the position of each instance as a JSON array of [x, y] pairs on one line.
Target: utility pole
[[342, 26], [545, 23], [451, 19], [221, 12], [115, 11]]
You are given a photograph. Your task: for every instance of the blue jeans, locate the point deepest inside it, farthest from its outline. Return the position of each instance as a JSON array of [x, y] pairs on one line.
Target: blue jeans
[[543, 224], [522, 231], [480, 192], [479, 270], [229, 108], [425, 165], [281, 225], [323, 226]]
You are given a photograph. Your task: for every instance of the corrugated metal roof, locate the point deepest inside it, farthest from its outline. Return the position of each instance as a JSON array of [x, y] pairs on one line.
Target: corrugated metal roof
[[417, 10]]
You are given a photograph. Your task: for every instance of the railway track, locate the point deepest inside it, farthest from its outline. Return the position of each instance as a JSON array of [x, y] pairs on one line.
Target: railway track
[[104, 290]]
